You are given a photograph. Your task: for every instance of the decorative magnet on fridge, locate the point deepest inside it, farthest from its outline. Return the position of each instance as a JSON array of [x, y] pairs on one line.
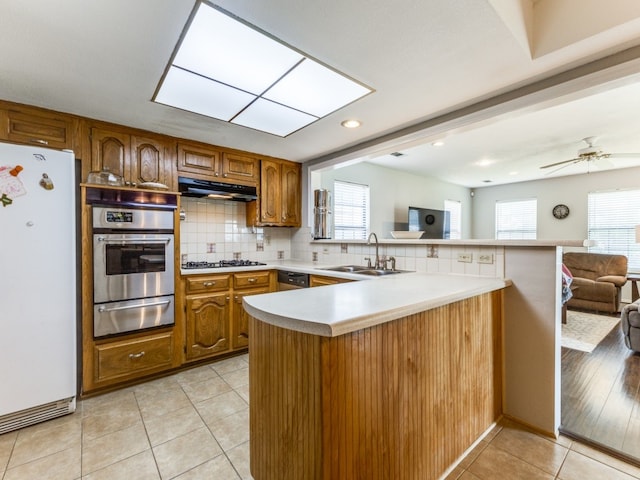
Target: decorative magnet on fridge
[[45, 182], [16, 170], [5, 200]]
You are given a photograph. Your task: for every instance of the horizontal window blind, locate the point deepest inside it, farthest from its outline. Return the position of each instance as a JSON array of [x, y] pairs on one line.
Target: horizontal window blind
[[612, 218], [516, 219], [454, 208], [350, 210]]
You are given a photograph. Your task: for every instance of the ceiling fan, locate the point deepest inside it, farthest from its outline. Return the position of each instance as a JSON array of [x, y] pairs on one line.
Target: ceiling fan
[[590, 153]]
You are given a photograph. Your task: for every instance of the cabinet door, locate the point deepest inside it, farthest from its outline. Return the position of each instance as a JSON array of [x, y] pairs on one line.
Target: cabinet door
[[320, 280], [198, 159], [291, 195], [240, 167], [149, 161], [207, 325], [41, 128], [240, 318], [270, 203], [110, 151]]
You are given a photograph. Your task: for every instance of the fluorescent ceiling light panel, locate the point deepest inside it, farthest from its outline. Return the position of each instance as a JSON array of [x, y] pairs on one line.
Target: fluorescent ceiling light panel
[[219, 47], [197, 94], [225, 69], [273, 118], [315, 89]]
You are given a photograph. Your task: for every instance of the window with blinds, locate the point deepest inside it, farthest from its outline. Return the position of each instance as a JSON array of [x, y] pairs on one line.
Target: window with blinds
[[516, 219], [612, 218], [350, 210], [454, 208]]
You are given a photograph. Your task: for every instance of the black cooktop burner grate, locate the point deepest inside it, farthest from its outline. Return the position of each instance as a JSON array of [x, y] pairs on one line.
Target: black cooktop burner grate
[[221, 264]]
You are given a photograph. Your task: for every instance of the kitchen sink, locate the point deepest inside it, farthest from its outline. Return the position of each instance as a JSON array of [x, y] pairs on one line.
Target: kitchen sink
[[348, 268], [362, 270]]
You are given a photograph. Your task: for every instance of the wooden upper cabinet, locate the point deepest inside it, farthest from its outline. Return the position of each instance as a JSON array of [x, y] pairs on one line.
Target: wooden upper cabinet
[[151, 162], [198, 159], [279, 202], [136, 159], [240, 167], [110, 151], [37, 127], [211, 164], [270, 192], [291, 196]]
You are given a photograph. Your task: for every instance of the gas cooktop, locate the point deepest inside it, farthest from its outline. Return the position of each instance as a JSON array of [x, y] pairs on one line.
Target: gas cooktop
[[221, 264]]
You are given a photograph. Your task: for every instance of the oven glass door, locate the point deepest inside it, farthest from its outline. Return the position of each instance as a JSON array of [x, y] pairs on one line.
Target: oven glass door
[[139, 257], [128, 266]]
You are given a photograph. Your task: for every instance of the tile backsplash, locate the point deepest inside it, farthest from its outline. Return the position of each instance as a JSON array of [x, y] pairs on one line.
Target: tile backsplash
[[216, 230]]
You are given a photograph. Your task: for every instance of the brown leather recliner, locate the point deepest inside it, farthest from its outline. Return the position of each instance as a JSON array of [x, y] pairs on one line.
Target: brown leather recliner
[[598, 278]]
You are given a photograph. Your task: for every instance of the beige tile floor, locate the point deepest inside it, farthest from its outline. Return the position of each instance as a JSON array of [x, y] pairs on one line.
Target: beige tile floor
[[194, 425]]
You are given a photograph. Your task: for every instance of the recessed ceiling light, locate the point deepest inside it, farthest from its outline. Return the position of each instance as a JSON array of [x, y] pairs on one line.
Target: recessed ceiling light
[[438, 143], [513, 173], [351, 123], [484, 162], [226, 69], [487, 181], [396, 154]]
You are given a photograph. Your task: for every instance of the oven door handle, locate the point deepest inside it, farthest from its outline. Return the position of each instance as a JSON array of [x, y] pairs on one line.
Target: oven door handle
[[124, 241], [103, 309]]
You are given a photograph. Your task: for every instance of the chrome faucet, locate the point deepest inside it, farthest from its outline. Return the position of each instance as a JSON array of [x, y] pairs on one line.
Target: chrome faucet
[[377, 265]]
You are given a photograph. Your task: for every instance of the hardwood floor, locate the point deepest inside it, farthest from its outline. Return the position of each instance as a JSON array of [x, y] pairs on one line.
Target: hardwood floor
[[601, 395]]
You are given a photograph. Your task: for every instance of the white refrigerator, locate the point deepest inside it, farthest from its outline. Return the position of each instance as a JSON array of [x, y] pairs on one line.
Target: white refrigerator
[[38, 321]]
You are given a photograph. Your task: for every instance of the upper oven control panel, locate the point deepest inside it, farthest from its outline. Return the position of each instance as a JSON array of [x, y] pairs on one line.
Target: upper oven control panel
[[115, 218]]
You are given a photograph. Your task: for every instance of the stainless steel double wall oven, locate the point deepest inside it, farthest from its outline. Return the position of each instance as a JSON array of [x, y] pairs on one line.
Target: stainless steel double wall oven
[[133, 267]]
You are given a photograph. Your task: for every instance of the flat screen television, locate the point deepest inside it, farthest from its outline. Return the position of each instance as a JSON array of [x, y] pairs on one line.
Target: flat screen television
[[434, 223]]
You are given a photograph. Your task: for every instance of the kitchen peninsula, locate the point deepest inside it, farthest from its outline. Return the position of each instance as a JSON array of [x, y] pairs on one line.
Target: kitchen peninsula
[[394, 378]]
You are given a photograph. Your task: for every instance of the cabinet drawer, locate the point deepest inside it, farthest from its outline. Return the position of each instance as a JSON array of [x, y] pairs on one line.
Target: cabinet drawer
[[207, 284], [120, 359], [251, 279]]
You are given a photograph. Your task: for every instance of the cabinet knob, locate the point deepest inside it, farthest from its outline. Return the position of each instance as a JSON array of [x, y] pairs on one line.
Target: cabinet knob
[[133, 356], [224, 175], [40, 141], [216, 174], [208, 284], [252, 280]]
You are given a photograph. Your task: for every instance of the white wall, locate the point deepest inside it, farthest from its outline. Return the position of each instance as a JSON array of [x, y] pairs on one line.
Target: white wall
[[393, 191], [570, 190]]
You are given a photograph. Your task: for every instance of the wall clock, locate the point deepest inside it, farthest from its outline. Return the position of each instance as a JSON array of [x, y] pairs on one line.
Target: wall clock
[[561, 211]]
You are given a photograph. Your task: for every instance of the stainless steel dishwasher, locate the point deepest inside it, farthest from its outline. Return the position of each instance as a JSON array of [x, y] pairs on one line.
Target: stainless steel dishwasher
[[292, 280]]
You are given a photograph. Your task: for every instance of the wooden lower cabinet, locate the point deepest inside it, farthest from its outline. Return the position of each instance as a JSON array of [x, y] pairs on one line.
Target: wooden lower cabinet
[[207, 325], [216, 322], [240, 318], [130, 358], [320, 280]]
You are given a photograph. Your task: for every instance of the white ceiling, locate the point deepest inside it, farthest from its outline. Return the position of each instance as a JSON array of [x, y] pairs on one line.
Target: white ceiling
[[424, 58]]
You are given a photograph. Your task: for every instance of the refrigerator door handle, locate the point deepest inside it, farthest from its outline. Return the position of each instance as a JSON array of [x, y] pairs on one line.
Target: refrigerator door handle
[[103, 309]]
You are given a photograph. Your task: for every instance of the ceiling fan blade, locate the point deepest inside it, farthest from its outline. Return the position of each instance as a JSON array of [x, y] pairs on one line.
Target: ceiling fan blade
[[565, 164], [624, 155], [573, 160]]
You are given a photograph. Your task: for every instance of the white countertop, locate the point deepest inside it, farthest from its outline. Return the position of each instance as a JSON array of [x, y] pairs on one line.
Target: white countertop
[[339, 309]]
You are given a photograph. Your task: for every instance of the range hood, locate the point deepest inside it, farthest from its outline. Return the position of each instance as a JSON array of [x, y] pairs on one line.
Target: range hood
[[191, 187]]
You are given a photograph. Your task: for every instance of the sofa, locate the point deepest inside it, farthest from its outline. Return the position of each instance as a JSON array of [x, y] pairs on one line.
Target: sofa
[[597, 280], [630, 324]]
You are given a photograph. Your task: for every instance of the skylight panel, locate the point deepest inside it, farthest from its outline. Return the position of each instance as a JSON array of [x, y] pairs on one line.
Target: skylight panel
[[225, 69]]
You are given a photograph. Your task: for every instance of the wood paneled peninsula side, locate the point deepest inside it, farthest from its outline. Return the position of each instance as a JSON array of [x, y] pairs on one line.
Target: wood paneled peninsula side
[[394, 378]]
